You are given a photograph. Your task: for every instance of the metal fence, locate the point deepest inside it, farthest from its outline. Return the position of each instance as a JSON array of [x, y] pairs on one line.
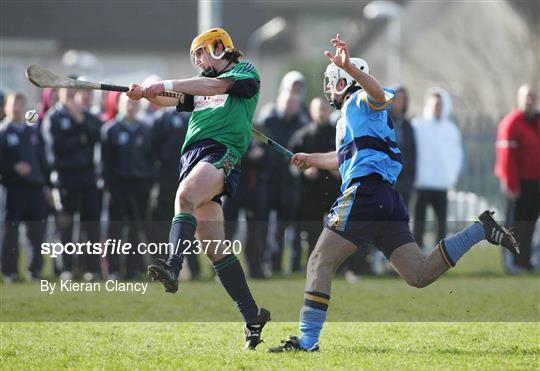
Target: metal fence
[[477, 188]]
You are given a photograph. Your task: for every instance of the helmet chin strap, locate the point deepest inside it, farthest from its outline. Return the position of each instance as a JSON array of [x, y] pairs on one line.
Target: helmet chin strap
[[209, 72], [212, 72], [334, 103], [345, 96]]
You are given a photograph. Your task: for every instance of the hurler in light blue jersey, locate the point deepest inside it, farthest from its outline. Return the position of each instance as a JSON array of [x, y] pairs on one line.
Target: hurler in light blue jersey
[[366, 140], [369, 209]]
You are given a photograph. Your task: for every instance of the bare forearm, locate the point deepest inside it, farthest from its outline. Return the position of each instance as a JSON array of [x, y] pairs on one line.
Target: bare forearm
[[367, 82], [202, 86], [326, 161], [164, 101]]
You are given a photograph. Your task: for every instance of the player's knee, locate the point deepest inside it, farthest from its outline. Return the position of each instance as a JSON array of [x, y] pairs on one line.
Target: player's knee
[[184, 199], [421, 283], [416, 280], [318, 263]]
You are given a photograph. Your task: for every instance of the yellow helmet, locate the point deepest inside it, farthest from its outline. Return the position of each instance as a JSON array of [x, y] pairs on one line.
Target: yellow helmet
[[209, 40]]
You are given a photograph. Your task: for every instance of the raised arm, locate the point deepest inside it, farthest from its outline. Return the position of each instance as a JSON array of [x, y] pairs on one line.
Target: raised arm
[[343, 61], [325, 161]]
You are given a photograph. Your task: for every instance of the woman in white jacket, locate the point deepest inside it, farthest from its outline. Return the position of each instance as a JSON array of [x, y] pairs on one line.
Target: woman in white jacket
[[439, 157]]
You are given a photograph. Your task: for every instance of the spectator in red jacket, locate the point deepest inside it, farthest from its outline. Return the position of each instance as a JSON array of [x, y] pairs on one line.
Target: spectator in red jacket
[[49, 98], [518, 168], [110, 107]]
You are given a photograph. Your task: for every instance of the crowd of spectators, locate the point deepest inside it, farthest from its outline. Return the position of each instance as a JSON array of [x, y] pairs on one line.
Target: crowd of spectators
[[108, 169]]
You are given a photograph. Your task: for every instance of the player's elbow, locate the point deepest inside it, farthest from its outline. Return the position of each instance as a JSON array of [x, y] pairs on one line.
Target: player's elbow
[[378, 96], [216, 87]]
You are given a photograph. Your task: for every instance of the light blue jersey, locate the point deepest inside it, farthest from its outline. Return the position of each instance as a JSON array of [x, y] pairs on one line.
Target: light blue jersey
[[366, 140]]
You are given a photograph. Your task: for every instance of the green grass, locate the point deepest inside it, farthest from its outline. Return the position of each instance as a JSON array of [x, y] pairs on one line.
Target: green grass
[[486, 346], [379, 323]]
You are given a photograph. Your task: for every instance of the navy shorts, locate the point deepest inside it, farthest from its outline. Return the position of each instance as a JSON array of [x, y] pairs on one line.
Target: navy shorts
[[371, 211], [217, 154]]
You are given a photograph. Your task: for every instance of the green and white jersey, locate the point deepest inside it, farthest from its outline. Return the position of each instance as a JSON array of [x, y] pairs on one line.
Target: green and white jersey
[[225, 118]]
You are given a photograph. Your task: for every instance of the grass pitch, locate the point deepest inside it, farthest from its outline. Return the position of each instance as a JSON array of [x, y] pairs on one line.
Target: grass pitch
[[205, 346], [370, 325]]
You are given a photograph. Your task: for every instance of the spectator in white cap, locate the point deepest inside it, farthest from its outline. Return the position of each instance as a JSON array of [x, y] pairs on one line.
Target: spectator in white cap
[[295, 83]]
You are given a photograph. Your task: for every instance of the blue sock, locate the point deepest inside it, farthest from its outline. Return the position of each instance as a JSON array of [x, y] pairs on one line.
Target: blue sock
[[453, 248], [312, 317], [182, 228]]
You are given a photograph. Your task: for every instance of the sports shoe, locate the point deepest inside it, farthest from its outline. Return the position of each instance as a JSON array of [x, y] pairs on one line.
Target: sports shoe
[[161, 271], [292, 345], [496, 234], [254, 329]]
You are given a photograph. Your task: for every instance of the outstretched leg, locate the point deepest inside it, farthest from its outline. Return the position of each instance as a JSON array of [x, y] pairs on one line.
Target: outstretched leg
[[417, 270], [420, 271]]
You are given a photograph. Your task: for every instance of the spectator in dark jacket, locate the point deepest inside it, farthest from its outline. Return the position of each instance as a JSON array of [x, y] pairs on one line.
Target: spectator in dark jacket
[[2, 112], [128, 171], [319, 188], [72, 134], [280, 123], [251, 196], [405, 141], [518, 168], [25, 173]]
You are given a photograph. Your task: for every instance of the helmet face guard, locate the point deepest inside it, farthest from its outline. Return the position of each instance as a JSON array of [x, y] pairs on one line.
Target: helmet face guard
[[334, 74], [196, 58], [205, 46]]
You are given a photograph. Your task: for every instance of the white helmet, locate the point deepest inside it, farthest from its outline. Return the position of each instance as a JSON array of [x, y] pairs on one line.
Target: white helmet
[[333, 74]]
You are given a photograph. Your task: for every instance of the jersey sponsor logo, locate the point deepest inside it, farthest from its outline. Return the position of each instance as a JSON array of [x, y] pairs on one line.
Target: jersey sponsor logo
[[215, 101], [340, 132]]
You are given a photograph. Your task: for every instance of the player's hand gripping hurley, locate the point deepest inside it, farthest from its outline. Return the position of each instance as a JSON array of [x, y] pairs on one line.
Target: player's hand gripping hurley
[[43, 78]]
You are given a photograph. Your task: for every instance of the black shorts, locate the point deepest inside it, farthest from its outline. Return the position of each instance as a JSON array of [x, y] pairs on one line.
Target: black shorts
[[217, 154], [371, 211]]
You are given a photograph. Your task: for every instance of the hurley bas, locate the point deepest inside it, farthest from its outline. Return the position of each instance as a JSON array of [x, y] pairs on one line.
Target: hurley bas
[[108, 286]]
